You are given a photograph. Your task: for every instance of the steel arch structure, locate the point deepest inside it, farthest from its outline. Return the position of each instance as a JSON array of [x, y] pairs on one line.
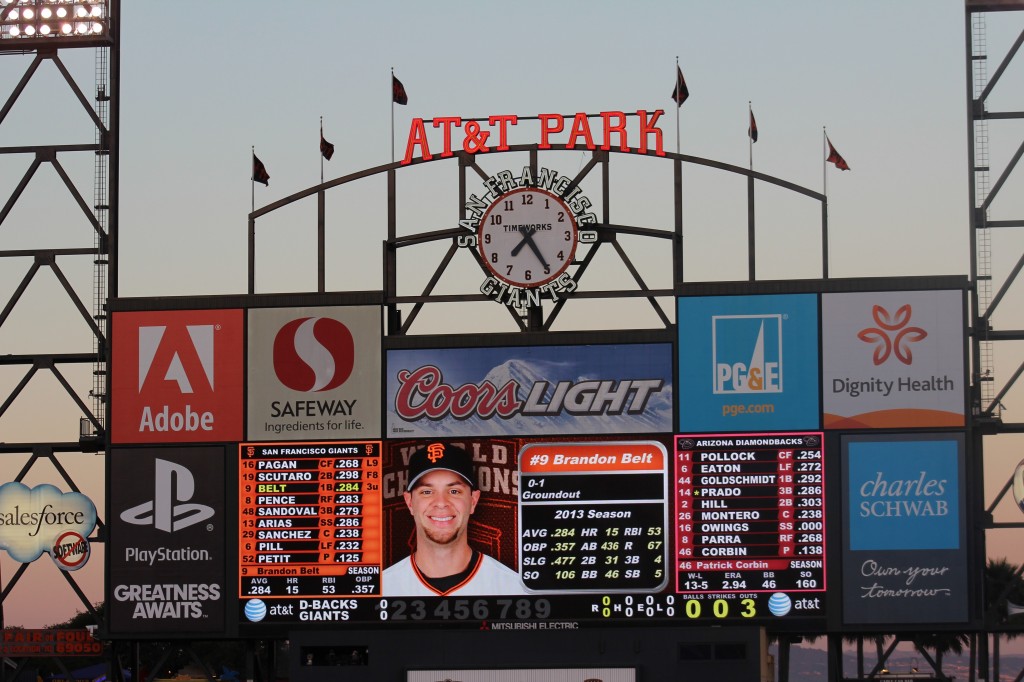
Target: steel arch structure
[[468, 167]]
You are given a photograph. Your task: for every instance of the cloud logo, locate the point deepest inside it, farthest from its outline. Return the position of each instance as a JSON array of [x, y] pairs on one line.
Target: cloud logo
[[32, 519], [255, 610], [892, 336], [313, 354]]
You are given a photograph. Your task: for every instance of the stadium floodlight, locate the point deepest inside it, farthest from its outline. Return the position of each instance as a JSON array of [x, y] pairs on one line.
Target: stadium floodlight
[[31, 24]]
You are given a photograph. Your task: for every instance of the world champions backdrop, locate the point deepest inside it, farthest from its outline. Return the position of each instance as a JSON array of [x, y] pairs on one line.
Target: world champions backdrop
[[493, 528]]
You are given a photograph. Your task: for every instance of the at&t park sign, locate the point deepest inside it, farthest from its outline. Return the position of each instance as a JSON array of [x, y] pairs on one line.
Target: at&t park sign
[[610, 126]]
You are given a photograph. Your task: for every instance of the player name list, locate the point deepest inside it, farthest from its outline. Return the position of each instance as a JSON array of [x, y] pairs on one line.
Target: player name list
[[750, 512], [310, 519]]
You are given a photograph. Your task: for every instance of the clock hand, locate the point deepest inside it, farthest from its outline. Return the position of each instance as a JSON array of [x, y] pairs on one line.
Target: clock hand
[[527, 236], [528, 241], [536, 251]]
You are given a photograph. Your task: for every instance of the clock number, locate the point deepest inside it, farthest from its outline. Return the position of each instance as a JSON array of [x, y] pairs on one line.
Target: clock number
[[561, 255], [495, 219], [547, 269], [527, 200], [568, 236], [547, 203], [508, 205], [508, 270], [487, 238], [494, 257], [528, 276], [561, 216]]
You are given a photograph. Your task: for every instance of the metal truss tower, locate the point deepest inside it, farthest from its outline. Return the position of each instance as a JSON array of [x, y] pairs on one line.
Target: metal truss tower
[[994, 317], [51, 37]]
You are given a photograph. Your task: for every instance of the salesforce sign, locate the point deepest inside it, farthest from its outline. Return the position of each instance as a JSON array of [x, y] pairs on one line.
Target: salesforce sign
[[45, 519]]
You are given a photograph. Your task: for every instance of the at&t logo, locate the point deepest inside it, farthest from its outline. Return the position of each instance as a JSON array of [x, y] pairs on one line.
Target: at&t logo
[[747, 353], [313, 354], [169, 510]]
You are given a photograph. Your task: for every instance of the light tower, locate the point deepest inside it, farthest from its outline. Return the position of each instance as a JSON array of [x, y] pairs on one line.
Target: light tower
[[50, 35]]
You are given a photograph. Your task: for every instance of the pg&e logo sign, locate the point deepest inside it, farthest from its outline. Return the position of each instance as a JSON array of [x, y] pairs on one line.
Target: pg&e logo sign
[[747, 353], [177, 376]]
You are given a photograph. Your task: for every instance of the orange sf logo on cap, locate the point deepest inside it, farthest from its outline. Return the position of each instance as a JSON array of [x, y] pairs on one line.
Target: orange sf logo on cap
[[435, 451]]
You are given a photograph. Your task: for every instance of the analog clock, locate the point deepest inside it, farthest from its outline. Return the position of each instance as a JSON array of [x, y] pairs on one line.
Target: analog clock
[[527, 237]]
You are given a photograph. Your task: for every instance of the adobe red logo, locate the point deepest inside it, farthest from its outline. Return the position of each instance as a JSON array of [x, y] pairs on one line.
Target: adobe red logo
[[313, 354], [177, 376]]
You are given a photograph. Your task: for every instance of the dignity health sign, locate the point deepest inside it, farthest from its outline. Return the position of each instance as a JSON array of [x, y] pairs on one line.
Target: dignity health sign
[[893, 359]]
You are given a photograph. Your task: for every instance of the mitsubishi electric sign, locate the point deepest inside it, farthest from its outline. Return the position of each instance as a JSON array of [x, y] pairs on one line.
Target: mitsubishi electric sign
[[166, 551]]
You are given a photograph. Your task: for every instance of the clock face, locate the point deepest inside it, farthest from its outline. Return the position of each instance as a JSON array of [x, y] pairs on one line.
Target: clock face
[[527, 237]]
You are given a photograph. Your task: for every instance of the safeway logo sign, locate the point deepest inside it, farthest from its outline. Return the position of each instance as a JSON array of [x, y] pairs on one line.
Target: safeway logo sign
[[177, 376], [170, 509]]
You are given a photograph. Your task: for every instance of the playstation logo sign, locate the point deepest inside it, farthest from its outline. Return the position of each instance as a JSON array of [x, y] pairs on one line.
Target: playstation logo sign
[[169, 511]]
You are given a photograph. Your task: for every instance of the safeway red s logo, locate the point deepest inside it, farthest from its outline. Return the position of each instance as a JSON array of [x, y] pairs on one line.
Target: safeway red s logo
[[177, 376], [313, 354]]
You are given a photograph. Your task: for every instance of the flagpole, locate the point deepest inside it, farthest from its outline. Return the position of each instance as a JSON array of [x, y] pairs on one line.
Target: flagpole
[[750, 132], [678, 107], [392, 86], [824, 162], [252, 179], [751, 239], [321, 150], [824, 203]]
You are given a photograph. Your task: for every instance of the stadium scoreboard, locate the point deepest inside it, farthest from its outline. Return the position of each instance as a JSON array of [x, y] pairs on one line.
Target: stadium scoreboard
[[715, 529]]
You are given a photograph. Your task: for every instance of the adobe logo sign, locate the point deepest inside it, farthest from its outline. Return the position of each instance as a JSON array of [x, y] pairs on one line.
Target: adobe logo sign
[[177, 376], [314, 372]]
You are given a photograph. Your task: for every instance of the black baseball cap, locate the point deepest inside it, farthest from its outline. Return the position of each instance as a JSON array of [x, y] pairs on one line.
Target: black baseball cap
[[441, 456]]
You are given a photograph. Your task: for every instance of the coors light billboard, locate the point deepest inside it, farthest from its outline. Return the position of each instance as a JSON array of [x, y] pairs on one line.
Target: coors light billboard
[[614, 388]]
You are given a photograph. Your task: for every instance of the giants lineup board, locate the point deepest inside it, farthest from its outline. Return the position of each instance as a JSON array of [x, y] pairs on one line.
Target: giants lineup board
[[725, 528]]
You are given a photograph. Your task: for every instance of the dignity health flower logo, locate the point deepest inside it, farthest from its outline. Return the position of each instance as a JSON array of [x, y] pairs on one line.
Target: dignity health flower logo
[[892, 335]]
